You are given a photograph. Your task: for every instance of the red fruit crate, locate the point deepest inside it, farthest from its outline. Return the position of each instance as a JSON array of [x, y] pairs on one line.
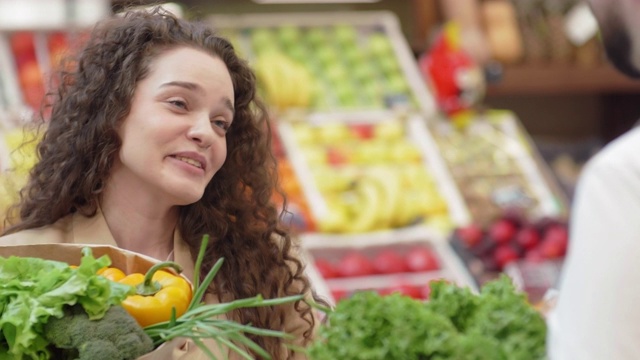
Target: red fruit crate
[[403, 261], [531, 251]]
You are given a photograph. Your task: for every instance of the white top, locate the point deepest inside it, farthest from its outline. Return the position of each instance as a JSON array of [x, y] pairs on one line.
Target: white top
[[598, 311]]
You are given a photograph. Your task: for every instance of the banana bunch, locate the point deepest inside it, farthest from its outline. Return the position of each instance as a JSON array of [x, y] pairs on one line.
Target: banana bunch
[[285, 83], [381, 197], [368, 204]]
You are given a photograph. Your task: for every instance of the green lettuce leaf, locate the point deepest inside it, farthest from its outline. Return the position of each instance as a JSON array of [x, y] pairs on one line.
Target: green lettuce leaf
[[32, 290]]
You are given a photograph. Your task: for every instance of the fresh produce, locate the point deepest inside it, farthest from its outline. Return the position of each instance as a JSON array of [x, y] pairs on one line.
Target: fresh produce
[[511, 237], [493, 165], [416, 258], [159, 294], [371, 175], [116, 336], [34, 290], [285, 82], [496, 324], [339, 66]]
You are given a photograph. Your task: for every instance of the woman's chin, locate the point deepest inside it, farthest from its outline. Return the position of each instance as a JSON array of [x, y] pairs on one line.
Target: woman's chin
[[188, 198]]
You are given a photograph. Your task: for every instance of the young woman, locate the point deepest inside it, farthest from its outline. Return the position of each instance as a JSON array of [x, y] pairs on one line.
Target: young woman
[[155, 139]]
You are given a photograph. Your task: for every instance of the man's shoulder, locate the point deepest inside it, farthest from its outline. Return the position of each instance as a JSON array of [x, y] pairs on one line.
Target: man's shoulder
[[622, 153], [49, 234]]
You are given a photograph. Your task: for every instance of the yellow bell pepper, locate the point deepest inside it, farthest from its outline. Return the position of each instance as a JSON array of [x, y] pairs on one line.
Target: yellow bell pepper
[[113, 274], [158, 292]]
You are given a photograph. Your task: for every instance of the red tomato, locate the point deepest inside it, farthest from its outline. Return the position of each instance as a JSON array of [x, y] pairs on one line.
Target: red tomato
[[326, 269], [355, 264], [421, 258], [389, 261]]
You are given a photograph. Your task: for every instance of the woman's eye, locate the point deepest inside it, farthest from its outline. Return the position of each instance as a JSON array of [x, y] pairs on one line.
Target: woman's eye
[[223, 124], [179, 103]]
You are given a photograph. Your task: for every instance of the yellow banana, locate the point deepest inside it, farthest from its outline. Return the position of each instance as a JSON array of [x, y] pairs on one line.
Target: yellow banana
[[366, 214]]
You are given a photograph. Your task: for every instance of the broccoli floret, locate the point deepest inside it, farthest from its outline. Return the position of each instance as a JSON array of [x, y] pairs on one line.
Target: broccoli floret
[[117, 336]]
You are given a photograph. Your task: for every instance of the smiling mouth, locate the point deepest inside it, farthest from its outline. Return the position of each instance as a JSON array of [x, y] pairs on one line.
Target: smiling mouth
[[189, 161]]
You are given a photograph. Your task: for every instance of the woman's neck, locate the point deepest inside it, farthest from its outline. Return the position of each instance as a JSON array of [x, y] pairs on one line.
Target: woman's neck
[[140, 225]]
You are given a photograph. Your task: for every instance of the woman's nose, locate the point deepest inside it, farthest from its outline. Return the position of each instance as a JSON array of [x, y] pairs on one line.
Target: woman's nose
[[201, 132]]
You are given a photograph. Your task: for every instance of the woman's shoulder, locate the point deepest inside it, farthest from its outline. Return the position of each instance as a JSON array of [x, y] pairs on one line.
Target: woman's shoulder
[[58, 232]]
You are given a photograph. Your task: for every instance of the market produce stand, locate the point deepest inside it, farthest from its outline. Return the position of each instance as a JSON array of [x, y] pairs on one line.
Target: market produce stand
[[333, 144]]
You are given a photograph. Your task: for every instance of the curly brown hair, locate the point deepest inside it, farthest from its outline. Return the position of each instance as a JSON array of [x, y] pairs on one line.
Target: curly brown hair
[[81, 141]]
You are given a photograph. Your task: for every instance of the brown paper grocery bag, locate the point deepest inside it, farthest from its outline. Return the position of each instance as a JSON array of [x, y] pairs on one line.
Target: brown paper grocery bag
[[127, 261]]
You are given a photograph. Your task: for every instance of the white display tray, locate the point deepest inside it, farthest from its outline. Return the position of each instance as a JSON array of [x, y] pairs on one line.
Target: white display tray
[[386, 21], [417, 132]]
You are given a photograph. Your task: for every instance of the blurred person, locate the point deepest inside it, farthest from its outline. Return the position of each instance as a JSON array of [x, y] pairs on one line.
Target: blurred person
[[595, 316], [155, 139]]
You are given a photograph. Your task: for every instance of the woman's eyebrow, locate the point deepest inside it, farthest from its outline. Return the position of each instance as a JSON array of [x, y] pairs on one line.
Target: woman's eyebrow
[[197, 88], [184, 84]]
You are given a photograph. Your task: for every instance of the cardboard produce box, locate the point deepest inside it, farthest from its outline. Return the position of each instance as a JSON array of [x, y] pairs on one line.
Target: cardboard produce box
[[127, 261]]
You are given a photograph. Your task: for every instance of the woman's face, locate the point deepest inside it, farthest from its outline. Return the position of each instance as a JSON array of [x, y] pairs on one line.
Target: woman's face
[[173, 140]]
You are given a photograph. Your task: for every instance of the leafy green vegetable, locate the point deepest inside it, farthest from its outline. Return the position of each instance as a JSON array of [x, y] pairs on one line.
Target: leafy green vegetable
[[32, 290], [497, 324]]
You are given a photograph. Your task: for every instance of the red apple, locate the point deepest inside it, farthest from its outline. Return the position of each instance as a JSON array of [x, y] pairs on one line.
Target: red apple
[[389, 261], [403, 289], [338, 294], [420, 258], [555, 242], [326, 269], [336, 157], [505, 254], [471, 235], [355, 264], [528, 238], [534, 256], [502, 231], [362, 131]]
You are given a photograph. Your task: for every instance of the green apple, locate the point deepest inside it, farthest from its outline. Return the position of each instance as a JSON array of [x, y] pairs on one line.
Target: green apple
[[317, 36], [327, 56], [389, 65], [379, 45], [397, 84], [353, 55], [364, 72], [336, 73], [298, 52], [263, 39], [288, 35], [346, 94], [345, 35]]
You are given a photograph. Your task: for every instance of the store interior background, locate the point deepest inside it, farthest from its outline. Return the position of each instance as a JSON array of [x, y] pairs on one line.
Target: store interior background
[[569, 105], [569, 109]]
